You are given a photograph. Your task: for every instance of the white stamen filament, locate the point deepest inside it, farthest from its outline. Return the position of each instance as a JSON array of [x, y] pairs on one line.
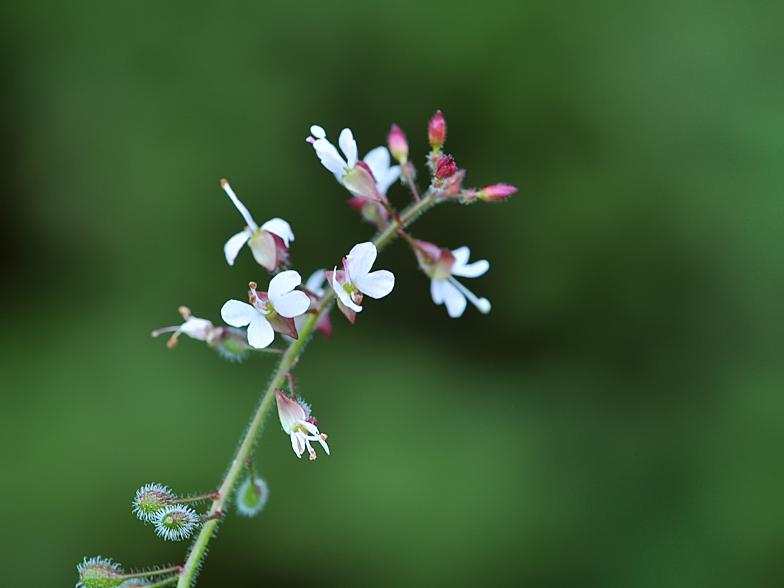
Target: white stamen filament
[[482, 304], [240, 206]]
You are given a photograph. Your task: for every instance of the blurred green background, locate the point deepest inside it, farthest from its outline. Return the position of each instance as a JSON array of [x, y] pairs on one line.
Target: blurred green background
[[616, 420]]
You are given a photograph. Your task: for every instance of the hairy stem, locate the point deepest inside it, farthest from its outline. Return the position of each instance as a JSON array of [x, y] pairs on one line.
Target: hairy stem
[[286, 363]]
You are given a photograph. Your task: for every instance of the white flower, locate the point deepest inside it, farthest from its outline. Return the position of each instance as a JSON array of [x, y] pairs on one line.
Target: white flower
[[195, 328], [296, 422], [261, 240], [357, 279], [445, 289], [377, 159], [262, 315]]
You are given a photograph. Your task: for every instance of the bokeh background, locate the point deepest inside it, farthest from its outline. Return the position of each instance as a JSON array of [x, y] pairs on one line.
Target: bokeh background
[[616, 420]]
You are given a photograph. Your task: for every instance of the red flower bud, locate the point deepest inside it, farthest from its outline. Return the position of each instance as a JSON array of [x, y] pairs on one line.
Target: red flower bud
[[398, 146], [445, 168], [497, 192], [436, 131]]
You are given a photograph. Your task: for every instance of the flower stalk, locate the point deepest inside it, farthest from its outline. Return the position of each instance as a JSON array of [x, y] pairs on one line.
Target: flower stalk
[[288, 360]]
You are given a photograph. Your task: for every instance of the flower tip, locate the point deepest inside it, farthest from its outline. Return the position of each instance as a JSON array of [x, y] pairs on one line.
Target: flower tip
[[436, 131], [398, 145], [483, 304]]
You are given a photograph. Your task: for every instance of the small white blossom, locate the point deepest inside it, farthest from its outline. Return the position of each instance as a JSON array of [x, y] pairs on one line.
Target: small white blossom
[[296, 421], [377, 159], [445, 289], [261, 314], [261, 240], [357, 279], [195, 328]]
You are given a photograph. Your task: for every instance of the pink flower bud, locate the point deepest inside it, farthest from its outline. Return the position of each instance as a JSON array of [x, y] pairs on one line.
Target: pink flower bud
[[436, 131], [445, 168], [398, 146], [497, 192]]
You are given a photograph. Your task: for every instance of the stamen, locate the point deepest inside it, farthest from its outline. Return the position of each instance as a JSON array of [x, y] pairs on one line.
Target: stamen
[[185, 312], [482, 304], [164, 330], [240, 206]]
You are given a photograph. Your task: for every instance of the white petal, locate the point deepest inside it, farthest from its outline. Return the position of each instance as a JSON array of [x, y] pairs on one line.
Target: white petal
[[454, 299], [384, 182], [472, 270], [323, 444], [437, 291], [260, 333], [360, 260], [343, 295], [330, 157], [233, 246], [279, 227], [377, 284], [315, 281], [292, 304], [378, 161], [197, 328], [282, 284], [238, 314], [348, 146], [297, 444], [461, 255], [318, 132], [311, 428]]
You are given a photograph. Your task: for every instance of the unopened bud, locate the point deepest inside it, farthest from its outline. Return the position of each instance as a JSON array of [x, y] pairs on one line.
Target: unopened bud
[[436, 131], [251, 497], [398, 146], [150, 500], [99, 572], [496, 192], [231, 344], [175, 522], [445, 168]]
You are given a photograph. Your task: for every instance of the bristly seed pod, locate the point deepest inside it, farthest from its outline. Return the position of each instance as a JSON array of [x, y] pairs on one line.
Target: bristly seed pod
[[251, 498], [150, 500], [176, 522], [99, 572]]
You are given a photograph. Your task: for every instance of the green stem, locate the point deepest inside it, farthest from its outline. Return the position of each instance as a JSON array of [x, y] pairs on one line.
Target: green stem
[[286, 363]]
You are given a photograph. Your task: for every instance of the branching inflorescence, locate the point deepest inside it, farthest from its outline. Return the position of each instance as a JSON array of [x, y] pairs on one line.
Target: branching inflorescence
[[294, 310]]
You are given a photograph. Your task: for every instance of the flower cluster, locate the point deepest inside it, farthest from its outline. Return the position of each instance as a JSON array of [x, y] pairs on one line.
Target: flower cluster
[[368, 182], [294, 310]]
